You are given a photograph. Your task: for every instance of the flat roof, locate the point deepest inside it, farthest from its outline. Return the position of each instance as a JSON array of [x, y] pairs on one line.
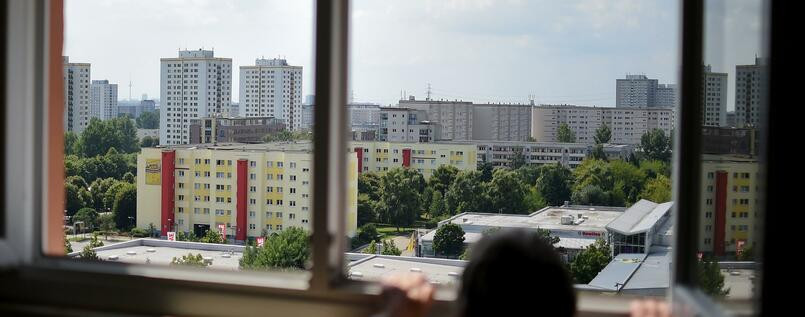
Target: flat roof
[[640, 217], [290, 146], [595, 218], [375, 267], [162, 252]]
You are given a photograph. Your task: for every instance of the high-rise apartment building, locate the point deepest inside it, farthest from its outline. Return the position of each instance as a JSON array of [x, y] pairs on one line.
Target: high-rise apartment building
[[640, 91], [714, 98], [750, 92], [406, 125], [196, 84], [103, 99], [77, 102], [272, 88]]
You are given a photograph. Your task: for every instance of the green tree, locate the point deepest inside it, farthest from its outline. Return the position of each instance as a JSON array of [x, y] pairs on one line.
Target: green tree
[[518, 158], [554, 184], [94, 242], [710, 279], [372, 248], [597, 153], [442, 177], [99, 136], [603, 134], [125, 207], [129, 178], [590, 261], [370, 184], [485, 168], [70, 143], [506, 193], [88, 254], [533, 201], [657, 190], [148, 141], [75, 198], [591, 195], [593, 172], [564, 134], [367, 209], [654, 145], [367, 233], [88, 216], [449, 240], [437, 205], [400, 201], [289, 249], [190, 260], [107, 224], [467, 194], [629, 182], [748, 254], [286, 136], [389, 248], [213, 236], [97, 190], [653, 168], [528, 174], [111, 193], [67, 247], [545, 235], [148, 120]]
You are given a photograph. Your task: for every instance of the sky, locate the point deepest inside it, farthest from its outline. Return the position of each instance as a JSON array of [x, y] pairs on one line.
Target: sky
[[475, 50]]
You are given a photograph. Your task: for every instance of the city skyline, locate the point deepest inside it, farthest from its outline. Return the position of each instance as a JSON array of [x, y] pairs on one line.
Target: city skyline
[[478, 51]]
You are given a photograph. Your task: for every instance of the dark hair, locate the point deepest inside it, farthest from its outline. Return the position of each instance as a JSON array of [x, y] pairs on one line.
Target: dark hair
[[516, 273]]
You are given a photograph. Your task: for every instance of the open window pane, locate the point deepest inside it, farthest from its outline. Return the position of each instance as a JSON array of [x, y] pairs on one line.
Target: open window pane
[[187, 133], [734, 94], [539, 115]]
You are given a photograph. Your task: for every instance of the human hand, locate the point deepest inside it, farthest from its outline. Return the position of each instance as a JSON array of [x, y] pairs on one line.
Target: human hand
[[407, 295], [650, 308]]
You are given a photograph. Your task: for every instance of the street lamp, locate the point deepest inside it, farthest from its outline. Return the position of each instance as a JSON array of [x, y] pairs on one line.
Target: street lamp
[[131, 219]]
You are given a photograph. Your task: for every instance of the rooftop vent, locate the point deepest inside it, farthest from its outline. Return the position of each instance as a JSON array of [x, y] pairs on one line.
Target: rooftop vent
[[226, 255], [208, 259], [454, 274], [567, 220], [131, 252], [415, 269], [355, 274], [112, 258], [379, 265], [150, 250]]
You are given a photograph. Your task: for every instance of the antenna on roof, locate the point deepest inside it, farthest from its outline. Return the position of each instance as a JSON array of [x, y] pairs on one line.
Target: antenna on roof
[[429, 92]]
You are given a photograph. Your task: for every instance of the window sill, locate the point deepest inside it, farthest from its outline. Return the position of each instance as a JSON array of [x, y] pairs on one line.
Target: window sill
[[64, 286]]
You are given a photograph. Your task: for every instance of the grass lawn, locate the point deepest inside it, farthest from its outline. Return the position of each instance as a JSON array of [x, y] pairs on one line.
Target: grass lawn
[[387, 231]]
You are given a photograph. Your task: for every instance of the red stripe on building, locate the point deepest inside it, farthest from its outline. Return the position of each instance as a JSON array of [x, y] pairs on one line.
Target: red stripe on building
[[359, 151], [719, 232], [406, 157], [168, 192], [243, 183]]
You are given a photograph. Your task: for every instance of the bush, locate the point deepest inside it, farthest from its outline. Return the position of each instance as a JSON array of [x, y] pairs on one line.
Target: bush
[[449, 240], [138, 233]]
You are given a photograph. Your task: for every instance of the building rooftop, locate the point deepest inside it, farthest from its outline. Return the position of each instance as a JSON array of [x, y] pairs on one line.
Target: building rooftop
[[375, 267], [298, 146], [640, 217], [162, 252], [591, 218]]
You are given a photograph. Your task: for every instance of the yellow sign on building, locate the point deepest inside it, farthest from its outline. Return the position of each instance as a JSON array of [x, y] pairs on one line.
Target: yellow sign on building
[[153, 171]]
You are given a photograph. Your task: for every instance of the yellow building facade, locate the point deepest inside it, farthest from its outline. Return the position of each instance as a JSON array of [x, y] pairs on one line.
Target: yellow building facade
[[729, 204], [250, 189], [376, 156]]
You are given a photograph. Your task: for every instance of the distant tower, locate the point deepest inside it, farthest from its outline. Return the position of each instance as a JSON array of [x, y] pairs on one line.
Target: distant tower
[[429, 92]]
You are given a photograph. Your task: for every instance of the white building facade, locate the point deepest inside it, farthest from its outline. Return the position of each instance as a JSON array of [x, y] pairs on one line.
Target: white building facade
[[272, 88], [196, 84], [77, 102], [406, 125], [627, 124], [103, 99], [714, 98]]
